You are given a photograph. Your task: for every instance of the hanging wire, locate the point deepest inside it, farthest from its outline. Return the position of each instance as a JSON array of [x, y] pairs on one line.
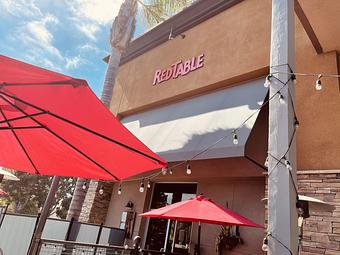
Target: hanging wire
[[284, 84], [154, 175], [279, 160], [282, 244]]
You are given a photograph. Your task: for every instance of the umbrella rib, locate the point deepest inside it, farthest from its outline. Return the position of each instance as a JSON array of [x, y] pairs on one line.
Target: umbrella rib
[[84, 128], [56, 83], [22, 117], [20, 143], [62, 139], [23, 127]]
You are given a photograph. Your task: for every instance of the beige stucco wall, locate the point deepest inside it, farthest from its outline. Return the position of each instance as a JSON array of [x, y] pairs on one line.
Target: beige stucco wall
[[236, 47], [130, 192], [318, 139]]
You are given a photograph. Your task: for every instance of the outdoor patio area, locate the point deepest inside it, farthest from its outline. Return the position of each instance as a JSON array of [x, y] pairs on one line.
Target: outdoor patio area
[[172, 127]]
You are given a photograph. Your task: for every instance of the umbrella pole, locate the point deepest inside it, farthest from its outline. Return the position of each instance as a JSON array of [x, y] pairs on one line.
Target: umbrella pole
[[43, 216], [173, 241], [199, 238]]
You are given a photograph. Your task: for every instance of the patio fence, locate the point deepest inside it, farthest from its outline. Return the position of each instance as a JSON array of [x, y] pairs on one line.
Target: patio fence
[[53, 247], [16, 233]]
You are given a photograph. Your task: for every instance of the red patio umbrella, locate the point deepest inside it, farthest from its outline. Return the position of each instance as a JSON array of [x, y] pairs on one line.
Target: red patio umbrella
[[53, 124], [202, 210]]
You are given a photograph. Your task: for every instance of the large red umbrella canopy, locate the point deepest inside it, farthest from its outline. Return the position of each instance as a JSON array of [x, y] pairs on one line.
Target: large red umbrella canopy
[[201, 209], [54, 124]]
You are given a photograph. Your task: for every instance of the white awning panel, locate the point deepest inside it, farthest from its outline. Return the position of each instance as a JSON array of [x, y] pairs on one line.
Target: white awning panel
[[181, 130]]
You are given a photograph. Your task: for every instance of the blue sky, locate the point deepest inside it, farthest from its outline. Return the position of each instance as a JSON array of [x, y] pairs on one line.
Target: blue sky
[[68, 36]]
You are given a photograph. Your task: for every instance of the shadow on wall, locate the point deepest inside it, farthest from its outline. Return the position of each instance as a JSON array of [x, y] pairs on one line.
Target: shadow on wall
[[220, 143]]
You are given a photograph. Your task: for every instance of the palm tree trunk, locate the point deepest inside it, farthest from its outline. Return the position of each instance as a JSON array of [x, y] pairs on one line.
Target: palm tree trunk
[[122, 31], [110, 77], [77, 200]]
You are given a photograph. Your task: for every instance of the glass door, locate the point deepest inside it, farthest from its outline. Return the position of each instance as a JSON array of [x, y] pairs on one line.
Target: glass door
[[161, 232]]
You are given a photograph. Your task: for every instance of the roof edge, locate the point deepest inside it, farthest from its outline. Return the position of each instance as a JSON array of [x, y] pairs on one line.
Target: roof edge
[[181, 22]]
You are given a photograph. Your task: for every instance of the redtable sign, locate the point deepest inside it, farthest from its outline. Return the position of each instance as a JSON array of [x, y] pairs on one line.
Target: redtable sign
[[180, 68]]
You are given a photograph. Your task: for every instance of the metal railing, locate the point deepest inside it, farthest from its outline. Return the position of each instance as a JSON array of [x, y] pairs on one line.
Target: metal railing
[[16, 227], [56, 247], [61, 237]]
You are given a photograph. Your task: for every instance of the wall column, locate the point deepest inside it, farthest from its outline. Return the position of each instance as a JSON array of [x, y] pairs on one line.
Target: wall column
[[282, 196]]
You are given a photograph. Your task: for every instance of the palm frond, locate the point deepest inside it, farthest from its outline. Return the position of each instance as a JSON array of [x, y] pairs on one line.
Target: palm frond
[[156, 11]]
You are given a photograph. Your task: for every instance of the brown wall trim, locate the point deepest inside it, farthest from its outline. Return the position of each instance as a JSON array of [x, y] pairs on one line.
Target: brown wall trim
[[308, 27], [186, 19], [331, 171], [338, 65]]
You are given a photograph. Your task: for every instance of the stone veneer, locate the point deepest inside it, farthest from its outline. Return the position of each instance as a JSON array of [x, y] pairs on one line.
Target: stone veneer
[[96, 205], [321, 232]]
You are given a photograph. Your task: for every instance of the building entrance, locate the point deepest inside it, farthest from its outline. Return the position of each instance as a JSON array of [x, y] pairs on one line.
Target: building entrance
[[161, 232]]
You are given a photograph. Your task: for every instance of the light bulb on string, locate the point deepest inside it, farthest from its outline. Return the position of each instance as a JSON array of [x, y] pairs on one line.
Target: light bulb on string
[[268, 81], [164, 170], [188, 168], [281, 98], [296, 122], [265, 244], [141, 186], [171, 172], [318, 85], [84, 186], [101, 190], [149, 184], [266, 163], [235, 139], [288, 165], [119, 189], [293, 77]]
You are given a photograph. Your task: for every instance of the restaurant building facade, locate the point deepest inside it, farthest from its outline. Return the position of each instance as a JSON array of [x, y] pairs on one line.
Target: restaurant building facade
[[187, 86]]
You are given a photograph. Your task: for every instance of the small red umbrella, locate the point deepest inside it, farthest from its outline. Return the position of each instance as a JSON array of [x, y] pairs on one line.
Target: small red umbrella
[[202, 210]]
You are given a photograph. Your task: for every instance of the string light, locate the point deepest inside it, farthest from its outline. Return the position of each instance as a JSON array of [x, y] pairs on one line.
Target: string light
[[268, 81], [119, 189], [149, 184], [101, 190], [281, 98], [265, 244], [141, 186], [188, 168], [235, 139], [293, 78], [266, 163], [171, 172], [84, 186], [164, 170], [318, 85], [296, 122], [288, 165]]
